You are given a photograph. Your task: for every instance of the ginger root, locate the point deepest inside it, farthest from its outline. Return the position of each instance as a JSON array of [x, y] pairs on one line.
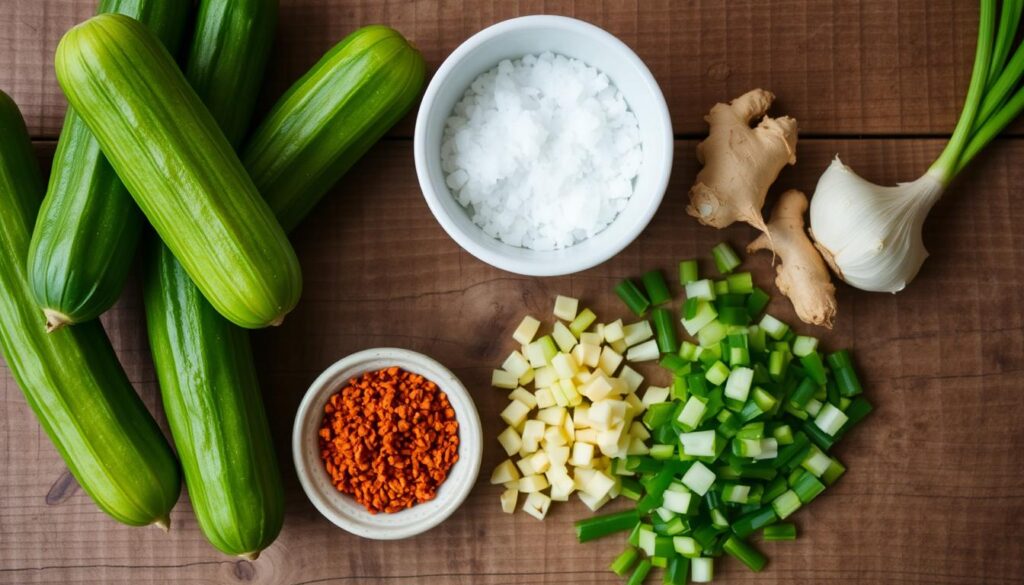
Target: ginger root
[[740, 162], [802, 276]]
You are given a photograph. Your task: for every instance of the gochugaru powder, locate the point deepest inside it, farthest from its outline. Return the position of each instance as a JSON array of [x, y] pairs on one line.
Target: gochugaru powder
[[388, 439]]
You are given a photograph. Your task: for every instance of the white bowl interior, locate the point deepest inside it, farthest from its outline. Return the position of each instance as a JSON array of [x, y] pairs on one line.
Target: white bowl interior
[[342, 509], [573, 38]]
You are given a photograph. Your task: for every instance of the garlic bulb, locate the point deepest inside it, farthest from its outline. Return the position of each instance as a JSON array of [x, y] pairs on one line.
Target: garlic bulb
[[870, 234]]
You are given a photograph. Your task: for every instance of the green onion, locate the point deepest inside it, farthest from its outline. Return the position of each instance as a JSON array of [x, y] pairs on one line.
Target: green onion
[[741, 438], [640, 573], [598, 526], [656, 287], [781, 531], [757, 301], [688, 272], [754, 521], [701, 289], [725, 257], [702, 570], [665, 328], [814, 367], [746, 553], [678, 571], [741, 283], [634, 299], [622, 563]]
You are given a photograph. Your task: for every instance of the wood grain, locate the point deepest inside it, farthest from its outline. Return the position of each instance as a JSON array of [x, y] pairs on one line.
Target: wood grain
[[840, 68], [933, 495]]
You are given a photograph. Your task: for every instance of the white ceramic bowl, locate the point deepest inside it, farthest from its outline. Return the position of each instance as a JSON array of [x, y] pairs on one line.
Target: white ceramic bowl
[[532, 35], [342, 509]]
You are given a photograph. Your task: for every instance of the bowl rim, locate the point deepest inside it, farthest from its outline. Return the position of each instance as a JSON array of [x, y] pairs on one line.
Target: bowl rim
[[465, 471], [571, 263]]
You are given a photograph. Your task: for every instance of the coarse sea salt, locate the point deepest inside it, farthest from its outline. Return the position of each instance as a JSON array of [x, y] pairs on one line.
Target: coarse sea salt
[[542, 151]]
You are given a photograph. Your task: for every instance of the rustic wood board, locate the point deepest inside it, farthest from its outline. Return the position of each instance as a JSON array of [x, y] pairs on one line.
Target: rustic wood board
[[850, 68], [933, 494]]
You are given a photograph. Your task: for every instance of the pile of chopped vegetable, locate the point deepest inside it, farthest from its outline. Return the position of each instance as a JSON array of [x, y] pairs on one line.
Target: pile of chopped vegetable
[[580, 415], [738, 442]]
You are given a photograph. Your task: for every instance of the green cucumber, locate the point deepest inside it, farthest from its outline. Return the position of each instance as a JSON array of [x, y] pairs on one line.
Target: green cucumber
[[179, 168], [330, 117], [204, 363], [88, 225], [71, 378]]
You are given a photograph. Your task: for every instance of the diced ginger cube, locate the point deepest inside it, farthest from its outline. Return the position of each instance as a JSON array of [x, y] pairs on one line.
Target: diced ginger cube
[[504, 379], [597, 388], [580, 416], [532, 483], [505, 472], [609, 361], [563, 337], [544, 398], [527, 330], [516, 364], [590, 338], [587, 435], [558, 454], [525, 396], [582, 454], [532, 434], [539, 462], [510, 441], [508, 500], [566, 307], [564, 366], [555, 437], [631, 378], [515, 413], [605, 414], [537, 505], [544, 377], [613, 332], [552, 416]]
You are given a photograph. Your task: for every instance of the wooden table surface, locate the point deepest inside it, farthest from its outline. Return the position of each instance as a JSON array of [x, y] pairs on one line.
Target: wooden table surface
[[934, 492]]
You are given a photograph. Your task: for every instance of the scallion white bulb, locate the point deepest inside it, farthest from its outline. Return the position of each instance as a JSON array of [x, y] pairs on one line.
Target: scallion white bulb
[[870, 234]]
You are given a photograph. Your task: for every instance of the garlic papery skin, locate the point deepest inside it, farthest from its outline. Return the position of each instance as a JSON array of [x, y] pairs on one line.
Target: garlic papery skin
[[870, 234]]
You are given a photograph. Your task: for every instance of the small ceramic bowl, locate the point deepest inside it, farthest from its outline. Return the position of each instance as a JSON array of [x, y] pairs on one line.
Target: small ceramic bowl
[[513, 39], [342, 509]]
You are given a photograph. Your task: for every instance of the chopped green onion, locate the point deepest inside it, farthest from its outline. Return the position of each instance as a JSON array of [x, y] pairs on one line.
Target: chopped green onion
[[717, 373], [656, 287], [702, 569], [753, 521], [688, 272], [734, 315], [701, 289], [807, 487], [665, 328], [725, 257], [741, 283], [598, 526], [832, 472], [773, 327], [640, 573], [804, 345], [660, 562], [814, 367], [746, 553], [622, 563], [781, 531], [786, 504], [634, 299], [757, 301], [678, 571], [704, 313]]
